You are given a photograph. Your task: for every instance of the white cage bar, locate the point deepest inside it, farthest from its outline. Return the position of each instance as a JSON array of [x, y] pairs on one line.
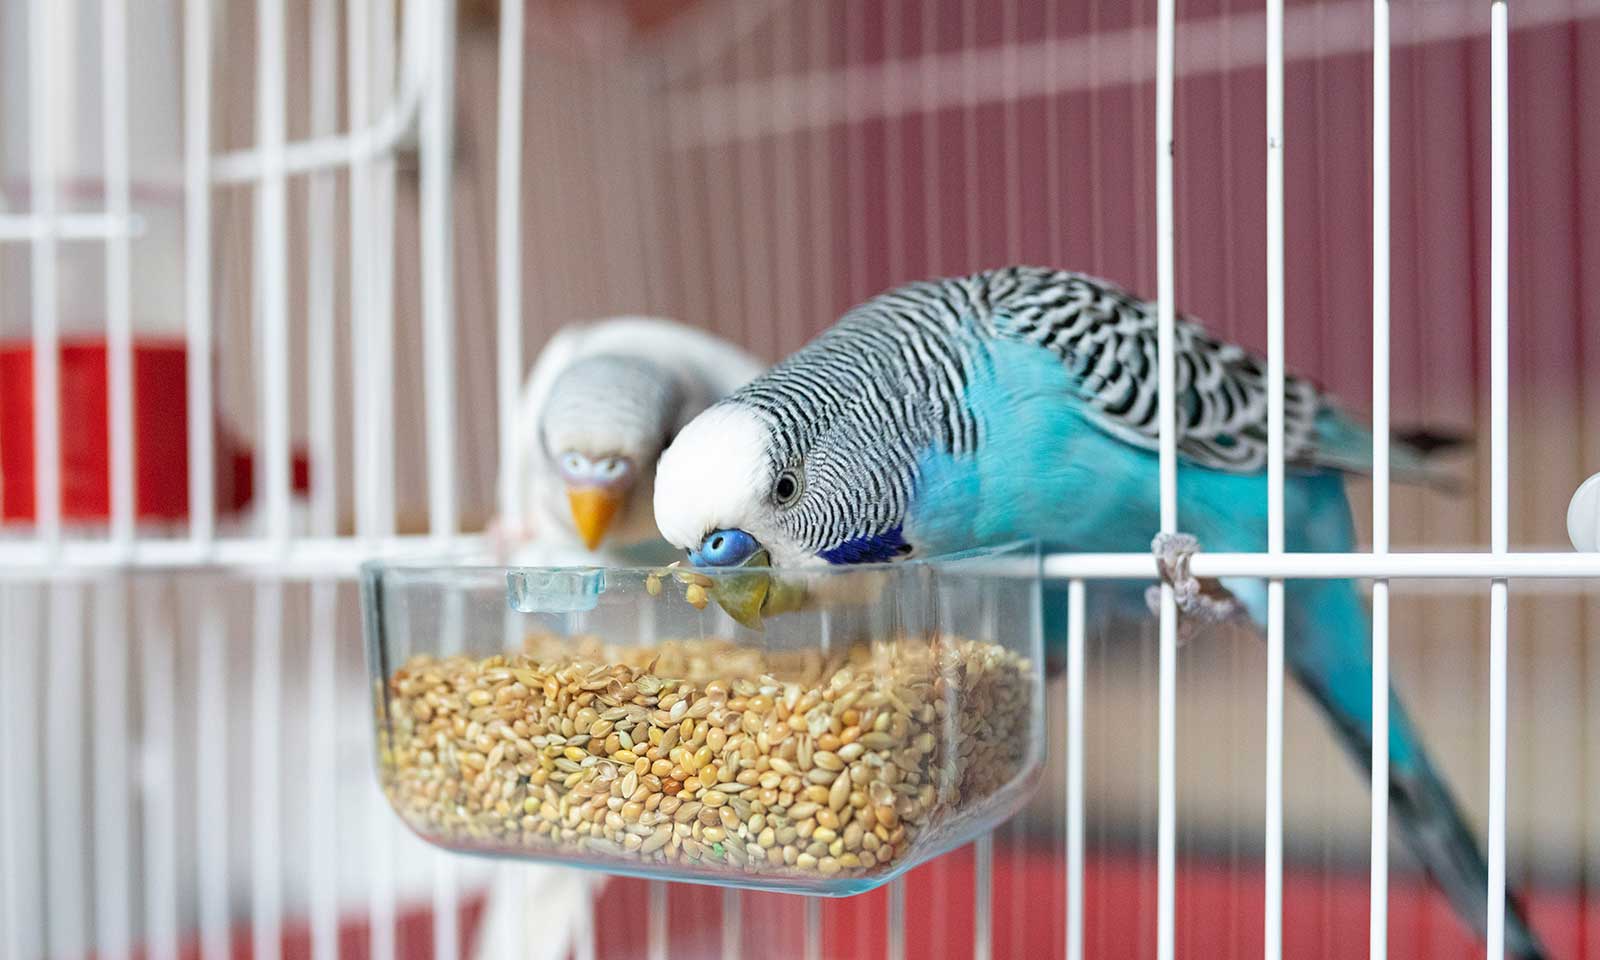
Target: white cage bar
[[1499, 460], [43, 44], [1166, 296], [1378, 925], [113, 822], [1273, 899]]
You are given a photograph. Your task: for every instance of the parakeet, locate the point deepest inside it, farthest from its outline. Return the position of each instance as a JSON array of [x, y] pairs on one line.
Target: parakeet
[[602, 401], [1022, 403]]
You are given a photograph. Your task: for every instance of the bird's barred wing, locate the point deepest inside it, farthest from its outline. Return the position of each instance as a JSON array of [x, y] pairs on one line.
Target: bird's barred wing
[[1109, 340]]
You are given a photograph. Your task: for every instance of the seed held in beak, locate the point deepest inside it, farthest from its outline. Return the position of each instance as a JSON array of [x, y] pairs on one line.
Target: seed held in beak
[[593, 509]]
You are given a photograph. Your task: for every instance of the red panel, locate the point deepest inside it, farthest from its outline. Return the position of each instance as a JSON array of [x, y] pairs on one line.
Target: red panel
[[413, 937], [1219, 915], [161, 448]]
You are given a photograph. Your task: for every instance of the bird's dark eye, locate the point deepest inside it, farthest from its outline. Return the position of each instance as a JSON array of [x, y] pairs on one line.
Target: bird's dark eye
[[787, 489]]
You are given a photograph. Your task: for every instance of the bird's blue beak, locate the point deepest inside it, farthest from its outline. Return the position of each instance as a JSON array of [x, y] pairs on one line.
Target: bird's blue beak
[[746, 595], [725, 548]]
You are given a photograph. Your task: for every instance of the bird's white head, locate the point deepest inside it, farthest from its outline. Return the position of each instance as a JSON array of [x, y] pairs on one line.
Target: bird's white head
[[603, 426], [720, 495]]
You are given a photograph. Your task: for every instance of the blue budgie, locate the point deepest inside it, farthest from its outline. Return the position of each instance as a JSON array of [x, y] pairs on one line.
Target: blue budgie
[[1022, 403]]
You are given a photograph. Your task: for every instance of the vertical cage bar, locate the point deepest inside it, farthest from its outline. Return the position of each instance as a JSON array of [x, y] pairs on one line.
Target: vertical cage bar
[[197, 264], [322, 794], [616, 217], [381, 903], [1052, 137], [683, 169], [10, 876], [320, 225], [271, 272], [982, 896], [513, 883], [1378, 946], [931, 195], [1167, 758], [1010, 72], [894, 190], [363, 461], [896, 921], [656, 929], [855, 169], [791, 313], [271, 286], [65, 861], [266, 895], [970, 190], [438, 288], [812, 945], [371, 355], [322, 758], [970, 172], [322, 664], [1076, 639], [113, 820], [211, 785], [22, 935], [820, 163], [644, 168], [732, 931], [43, 112], [119, 325], [377, 350], [584, 946], [1273, 893], [755, 265], [446, 908], [508, 252], [1499, 454], [157, 644]]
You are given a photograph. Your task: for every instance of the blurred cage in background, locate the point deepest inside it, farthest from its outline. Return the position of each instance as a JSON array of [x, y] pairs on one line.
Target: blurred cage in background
[[270, 273]]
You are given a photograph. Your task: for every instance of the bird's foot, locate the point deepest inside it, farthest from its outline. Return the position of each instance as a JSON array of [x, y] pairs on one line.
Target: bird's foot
[[1200, 604]]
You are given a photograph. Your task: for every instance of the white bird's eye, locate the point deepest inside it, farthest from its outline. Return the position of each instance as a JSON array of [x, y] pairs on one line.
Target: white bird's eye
[[611, 468], [574, 464]]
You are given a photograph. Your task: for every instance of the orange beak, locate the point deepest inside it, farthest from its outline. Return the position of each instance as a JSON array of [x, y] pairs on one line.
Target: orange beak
[[592, 511]]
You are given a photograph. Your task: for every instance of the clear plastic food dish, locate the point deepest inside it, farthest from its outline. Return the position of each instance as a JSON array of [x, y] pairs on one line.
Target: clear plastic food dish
[[816, 732]]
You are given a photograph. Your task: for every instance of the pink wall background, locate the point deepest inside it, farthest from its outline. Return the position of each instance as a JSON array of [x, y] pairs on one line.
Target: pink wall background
[[1067, 178]]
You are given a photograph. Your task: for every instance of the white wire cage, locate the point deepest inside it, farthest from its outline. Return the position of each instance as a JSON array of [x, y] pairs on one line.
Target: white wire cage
[[348, 214]]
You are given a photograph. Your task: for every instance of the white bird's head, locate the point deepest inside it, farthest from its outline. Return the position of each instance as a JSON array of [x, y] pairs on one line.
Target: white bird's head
[[602, 428], [736, 488], [715, 491]]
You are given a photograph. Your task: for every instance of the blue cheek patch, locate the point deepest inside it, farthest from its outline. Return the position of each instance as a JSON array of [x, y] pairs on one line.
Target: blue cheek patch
[[876, 548]]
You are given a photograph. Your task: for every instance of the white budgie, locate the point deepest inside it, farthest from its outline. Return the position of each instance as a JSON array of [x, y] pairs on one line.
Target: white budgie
[[601, 403]]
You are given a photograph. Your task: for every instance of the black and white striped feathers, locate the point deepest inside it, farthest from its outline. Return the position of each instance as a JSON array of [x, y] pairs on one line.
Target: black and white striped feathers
[[846, 418], [1107, 337]]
